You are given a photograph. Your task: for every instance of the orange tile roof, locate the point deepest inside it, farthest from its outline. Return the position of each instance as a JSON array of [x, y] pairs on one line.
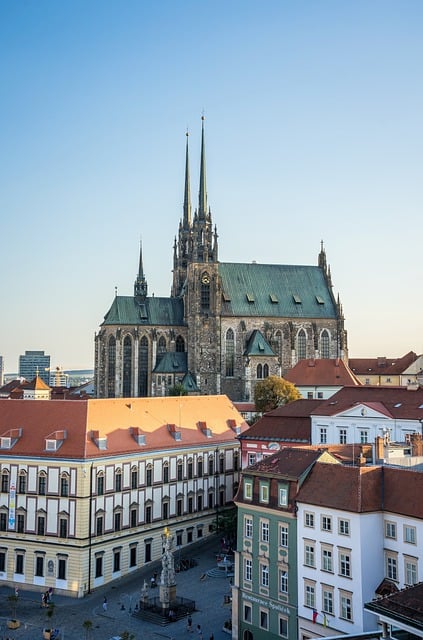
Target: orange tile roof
[[116, 419], [322, 372], [398, 402], [382, 365]]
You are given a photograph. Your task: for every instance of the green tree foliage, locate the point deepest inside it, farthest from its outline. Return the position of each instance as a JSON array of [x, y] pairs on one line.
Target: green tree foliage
[[178, 390], [274, 391]]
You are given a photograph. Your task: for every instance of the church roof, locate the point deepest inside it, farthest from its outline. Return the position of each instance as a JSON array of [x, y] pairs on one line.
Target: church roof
[[175, 362], [322, 372], [258, 345], [273, 290], [152, 311]]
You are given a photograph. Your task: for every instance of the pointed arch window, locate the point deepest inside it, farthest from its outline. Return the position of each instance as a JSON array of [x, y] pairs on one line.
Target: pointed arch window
[[205, 292], [230, 353], [265, 371], [143, 368], [180, 344], [324, 345], [127, 367], [161, 349], [259, 372], [111, 367], [301, 345], [277, 344]]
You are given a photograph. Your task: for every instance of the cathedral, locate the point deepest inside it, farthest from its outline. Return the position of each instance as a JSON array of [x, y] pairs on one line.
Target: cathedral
[[225, 326]]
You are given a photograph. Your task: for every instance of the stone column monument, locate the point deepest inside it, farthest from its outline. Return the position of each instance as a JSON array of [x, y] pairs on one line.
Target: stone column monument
[[167, 577]]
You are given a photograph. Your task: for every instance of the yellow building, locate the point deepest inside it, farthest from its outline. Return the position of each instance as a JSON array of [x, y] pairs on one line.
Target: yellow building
[[88, 486]]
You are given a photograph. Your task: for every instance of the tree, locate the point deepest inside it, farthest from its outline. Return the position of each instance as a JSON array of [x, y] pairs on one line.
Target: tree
[[178, 390], [274, 391]]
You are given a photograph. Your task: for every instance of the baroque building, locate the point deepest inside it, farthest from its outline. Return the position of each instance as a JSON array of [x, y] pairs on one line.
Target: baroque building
[[225, 325]]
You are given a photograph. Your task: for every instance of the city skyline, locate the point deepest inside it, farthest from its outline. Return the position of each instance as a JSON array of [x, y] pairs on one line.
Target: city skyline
[[313, 132]]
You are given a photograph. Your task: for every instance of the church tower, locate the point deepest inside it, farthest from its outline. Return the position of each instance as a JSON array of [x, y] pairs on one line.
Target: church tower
[[140, 284]]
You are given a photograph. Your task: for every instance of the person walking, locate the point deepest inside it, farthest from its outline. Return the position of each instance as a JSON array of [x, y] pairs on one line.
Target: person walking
[[199, 632], [105, 604], [189, 624]]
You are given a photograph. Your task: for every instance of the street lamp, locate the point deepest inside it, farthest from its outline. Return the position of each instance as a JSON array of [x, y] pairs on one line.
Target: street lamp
[[216, 486]]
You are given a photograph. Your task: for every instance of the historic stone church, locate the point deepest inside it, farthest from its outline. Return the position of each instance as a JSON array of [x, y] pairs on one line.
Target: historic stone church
[[225, 325]]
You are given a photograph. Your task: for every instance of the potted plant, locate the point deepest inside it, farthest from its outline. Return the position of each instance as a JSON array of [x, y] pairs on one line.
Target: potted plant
[[13, 623], [47, 632]]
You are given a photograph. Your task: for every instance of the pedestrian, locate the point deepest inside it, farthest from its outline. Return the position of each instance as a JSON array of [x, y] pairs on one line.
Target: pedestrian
[[105, 604], [199, 632], [211, 636], [152, 582], [43, 599], [189, 624]]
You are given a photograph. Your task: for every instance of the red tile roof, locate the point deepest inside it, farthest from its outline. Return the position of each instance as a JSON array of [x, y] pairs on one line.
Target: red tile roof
[[289, 462], [382, 365], [322, 372], [397, 402], [288, 423]]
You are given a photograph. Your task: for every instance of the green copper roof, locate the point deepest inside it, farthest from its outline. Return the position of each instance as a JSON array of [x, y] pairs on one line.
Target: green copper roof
[[258, 345], [271, 290], [172, 362], [189, 383], [152, 311]]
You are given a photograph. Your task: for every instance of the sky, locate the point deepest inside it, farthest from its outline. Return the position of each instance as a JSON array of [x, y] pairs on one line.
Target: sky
[[313, 123]]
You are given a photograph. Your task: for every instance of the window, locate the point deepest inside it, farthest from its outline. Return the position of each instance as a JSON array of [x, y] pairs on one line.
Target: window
[[179, 344], [42, 480], [134, 479], [309, 595], [364, 437], [63, 528], [98, 566], [309, 558], [100, 485], [127, 367], [247, 613], [301, 345], [64, 486], [283, 535], [323, 435], [190, 504], [134, 518], [211, 466], [116, 561], [149, 477], [248, 527], [41, 525], [309, 519], [251, 459], [345, 564], [248, 570], [236, 461], [190, 470], [264, 492], [327, 562], [20, 523], [2, 561], [221, 464], [3, 521], [345, 606], [265, 371], [61, 569], [410, 568], [391, 567], [283, 627], [166, 474], [327, 599], [264, 619], [259, 374], [118, 521], [179, 505], [118, 480], [264, 531], [248, 490], [199, 502], [343, 527], [283, 581], [205, 293], [326, 523], [264, 575], [5, 482], [133, 557], [99, 525], [324, 344], [342, 436], [180, 470], [230, 353], [390, 530], [283, 496], [22, 483], [39, 566], [19, 563], [200, 468], [410, 534]]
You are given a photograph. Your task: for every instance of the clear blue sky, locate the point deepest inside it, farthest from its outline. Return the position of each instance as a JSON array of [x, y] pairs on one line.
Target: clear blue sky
[[313, 131]]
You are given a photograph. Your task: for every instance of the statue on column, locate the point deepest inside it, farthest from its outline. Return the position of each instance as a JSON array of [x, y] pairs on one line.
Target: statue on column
[[167, 577]]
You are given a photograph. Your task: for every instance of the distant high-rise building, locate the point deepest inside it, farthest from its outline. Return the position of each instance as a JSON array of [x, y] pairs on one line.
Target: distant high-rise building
[[1, 371], [33, 363]]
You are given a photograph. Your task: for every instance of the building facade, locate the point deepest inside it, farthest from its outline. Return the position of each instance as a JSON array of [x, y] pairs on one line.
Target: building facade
[[225, 326], [34, 363], [87, 487]]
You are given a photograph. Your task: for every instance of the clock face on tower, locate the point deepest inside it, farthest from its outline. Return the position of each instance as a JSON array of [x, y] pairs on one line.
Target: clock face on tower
[[205, 278]]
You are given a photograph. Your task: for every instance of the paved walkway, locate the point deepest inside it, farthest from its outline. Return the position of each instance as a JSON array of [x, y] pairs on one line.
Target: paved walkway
[[122, 595]]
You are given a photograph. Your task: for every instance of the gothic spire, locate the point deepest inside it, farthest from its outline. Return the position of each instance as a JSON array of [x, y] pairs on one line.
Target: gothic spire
[[140, 285], [187, 192], [202, 196]]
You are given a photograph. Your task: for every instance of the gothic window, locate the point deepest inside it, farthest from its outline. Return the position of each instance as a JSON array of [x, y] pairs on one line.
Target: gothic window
[[127, 367], [230, 353], [205, 292], [265, 371], [161, 349], [277, 344], [180, 344], [143, 368], [324, 344], [259, 372], [111, 370], [301, 345]]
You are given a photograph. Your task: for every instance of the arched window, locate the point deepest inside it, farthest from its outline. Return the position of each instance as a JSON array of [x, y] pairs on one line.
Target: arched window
[[143, 368], [301, 345], [265, 371], [161, 349], [324, 344], [230, 353], [259, 372], [111, 367], [205, 292], [127, 367], [180, 344], [64, 485], [5, 481]]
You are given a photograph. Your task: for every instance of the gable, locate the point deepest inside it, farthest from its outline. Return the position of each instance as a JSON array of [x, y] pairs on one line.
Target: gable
[[365, 410]]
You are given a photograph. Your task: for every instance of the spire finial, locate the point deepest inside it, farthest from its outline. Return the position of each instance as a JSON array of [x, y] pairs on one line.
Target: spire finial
[[140, 285], [187, 190], [202, 196]]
